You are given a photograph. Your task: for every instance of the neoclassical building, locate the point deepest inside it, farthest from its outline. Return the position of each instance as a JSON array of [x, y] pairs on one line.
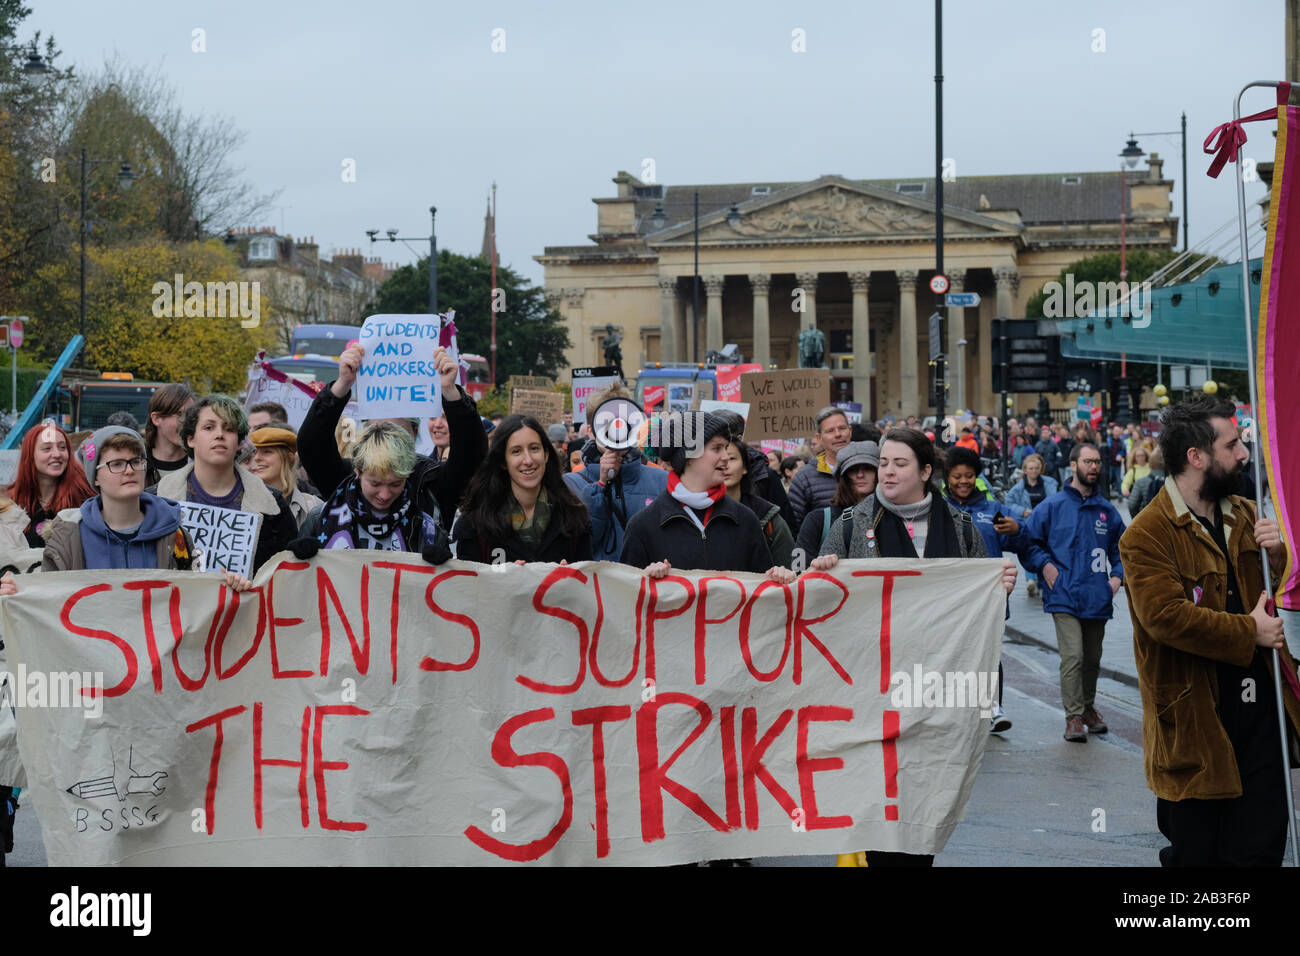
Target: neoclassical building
[[853, 258]]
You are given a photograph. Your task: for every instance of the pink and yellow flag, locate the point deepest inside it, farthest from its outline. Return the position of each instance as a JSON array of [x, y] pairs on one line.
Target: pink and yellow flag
[[1278, 353]]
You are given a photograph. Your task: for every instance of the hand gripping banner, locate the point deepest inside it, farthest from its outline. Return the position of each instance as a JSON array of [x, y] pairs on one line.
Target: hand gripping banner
[[376, 709]]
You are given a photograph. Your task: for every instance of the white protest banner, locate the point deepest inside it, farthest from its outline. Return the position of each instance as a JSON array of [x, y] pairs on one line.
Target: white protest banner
[[398, 377], [15, 561], [266, 383], [740, 408], [223, 537], [367, 709], [586, 382]]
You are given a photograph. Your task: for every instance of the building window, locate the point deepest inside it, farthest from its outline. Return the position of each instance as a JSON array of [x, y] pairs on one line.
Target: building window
[[761, 191], [260, 250], [917, 188], [1071, 180], [648, 192]]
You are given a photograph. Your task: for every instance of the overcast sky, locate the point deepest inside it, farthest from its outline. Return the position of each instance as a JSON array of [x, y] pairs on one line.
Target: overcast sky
[[711, 91]]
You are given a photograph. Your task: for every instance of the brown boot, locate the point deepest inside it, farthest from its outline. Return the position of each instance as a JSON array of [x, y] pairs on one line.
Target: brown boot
[[1074, 731], [1092, 720]]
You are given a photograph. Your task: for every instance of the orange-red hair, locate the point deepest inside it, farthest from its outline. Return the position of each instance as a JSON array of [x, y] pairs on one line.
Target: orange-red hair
[[73, 488]]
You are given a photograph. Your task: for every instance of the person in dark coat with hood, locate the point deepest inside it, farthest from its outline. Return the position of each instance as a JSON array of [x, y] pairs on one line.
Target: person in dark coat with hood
[[741, 465], [765, 482], [517, 507], [694, 525]]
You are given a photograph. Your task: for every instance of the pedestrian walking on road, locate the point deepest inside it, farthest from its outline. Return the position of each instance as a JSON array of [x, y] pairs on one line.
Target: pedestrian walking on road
[[1210, 732], [1074, 547]]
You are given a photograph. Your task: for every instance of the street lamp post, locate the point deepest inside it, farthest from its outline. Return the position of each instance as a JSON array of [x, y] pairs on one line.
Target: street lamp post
[[695, 289], [432, 239], [1132, 150], [124, 179]]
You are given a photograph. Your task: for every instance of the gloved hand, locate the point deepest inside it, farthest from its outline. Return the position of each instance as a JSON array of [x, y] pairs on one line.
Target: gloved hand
[[438, 550], [304, 549]]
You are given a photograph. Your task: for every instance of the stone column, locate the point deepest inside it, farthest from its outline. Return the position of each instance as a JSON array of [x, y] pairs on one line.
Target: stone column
[[909, 391], [713, 323], [1008, 281], [860, 282], [581, 339], [957, 332], [668, 348], [761, 282], [808, 283], [682, 323]]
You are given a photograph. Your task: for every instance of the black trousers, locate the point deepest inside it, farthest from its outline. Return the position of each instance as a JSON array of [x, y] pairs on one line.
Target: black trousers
[[1249, 830]]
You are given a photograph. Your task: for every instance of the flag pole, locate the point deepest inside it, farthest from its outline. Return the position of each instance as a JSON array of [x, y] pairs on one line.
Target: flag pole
[[493, 347], [1259, 482]]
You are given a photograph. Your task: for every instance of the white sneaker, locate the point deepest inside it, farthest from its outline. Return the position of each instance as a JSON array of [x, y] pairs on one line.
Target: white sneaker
[[999, 722]]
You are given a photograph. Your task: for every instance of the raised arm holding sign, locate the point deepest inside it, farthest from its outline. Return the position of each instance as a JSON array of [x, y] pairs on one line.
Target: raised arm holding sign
[[398, 376]]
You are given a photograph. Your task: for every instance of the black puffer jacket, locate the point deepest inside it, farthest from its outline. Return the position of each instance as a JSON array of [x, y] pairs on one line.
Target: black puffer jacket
[[440, 483], [767, 484], [732, 540]]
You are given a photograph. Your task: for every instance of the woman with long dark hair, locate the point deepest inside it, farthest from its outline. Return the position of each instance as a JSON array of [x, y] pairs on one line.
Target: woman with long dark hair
[[905, 517], [739, 481], [45, 485], [517, 506]]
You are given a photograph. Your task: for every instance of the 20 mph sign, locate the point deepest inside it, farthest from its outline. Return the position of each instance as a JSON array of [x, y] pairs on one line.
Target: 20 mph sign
[[939, 284]]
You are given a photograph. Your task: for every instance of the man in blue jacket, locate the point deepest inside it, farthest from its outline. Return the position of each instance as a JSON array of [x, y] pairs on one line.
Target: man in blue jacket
[[1074, 546], [614, 486]]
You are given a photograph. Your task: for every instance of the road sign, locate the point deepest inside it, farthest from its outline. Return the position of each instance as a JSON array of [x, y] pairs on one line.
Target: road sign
[[936, 336], [939, 284], [962, 300], [16, 333]]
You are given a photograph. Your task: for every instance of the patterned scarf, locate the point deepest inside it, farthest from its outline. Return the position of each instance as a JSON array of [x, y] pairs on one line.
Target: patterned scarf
[[349, 521], [531, 531]]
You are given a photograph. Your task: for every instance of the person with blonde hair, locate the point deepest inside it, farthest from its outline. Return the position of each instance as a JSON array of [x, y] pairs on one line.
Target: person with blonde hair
[[275, 455], [377, 508], [1139, 466]]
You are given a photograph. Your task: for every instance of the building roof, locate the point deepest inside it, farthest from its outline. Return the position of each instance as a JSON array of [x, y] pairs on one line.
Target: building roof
[[1038, 197]]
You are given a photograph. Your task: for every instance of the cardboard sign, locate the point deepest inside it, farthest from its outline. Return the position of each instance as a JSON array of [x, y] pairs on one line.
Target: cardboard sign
[[266, 383], [223, 537], [546, 407], [540, 382], [586, 382], [398, 378], [375, 709], [784, 403]]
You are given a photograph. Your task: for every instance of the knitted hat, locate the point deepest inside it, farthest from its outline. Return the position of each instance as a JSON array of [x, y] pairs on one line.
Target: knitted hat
[[857, 453], [269, 435], [88, 452], [702, 429]]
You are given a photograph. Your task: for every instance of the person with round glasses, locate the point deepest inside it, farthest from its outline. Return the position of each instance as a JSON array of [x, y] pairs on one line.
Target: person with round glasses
[[123, 526]]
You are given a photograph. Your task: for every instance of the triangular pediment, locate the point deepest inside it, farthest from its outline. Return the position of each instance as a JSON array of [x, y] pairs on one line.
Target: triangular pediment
[[835, 208]]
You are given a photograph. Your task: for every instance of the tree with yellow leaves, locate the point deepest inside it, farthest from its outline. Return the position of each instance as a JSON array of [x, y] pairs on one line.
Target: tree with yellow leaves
[[136, 321]]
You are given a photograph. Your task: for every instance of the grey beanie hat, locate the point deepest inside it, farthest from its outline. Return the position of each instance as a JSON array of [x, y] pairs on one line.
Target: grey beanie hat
[[857, 453], [555, 432], [88, 452]]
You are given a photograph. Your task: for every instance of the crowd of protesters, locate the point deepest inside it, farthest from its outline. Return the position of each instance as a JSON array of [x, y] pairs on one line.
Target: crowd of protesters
[[515, 489]]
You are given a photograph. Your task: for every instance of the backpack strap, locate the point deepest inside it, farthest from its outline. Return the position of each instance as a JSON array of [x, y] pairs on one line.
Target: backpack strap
[[826, 523], [847, 521]]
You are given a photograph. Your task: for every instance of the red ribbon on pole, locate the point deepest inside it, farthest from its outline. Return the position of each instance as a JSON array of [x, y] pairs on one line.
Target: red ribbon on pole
[[1226, 139]]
